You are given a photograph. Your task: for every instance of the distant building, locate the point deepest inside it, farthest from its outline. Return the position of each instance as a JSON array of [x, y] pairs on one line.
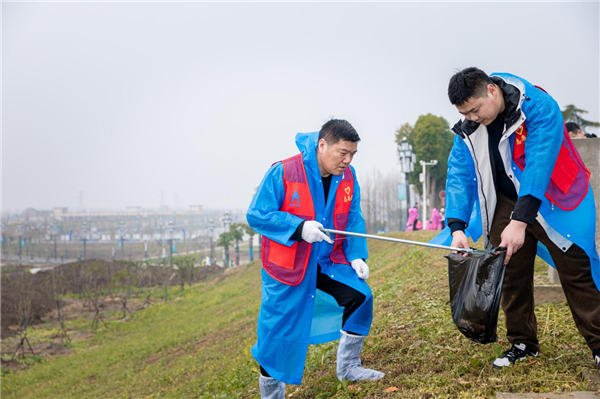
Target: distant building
[[32, 214], [59, 211]]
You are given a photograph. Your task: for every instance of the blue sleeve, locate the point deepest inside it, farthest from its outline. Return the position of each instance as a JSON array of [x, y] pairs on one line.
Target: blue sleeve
[[460, 186], [264, 215], [544, 125], [356, 247]]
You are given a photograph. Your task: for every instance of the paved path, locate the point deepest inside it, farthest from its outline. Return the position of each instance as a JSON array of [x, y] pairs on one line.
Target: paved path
[[571, 395]]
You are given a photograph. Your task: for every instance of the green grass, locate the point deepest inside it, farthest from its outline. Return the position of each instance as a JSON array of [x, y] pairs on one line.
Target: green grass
[[197, 345]]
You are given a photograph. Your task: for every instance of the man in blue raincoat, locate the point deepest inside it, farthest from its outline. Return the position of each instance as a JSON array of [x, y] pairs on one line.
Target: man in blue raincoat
[[314, 288], [515, 178]]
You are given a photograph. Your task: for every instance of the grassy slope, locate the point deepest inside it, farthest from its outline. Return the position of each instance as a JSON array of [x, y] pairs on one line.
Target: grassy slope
[[198, 345]]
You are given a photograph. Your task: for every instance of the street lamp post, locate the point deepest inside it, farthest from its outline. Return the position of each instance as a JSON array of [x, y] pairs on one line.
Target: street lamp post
[[84, 232], [407, 165], [211, 229], [170, 233], [54, 232], [122, 234], [20, 234], [4, 243], [425, 164], [226, 222]]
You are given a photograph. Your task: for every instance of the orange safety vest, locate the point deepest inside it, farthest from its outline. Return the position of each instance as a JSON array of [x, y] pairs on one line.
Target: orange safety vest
[[288, 264]]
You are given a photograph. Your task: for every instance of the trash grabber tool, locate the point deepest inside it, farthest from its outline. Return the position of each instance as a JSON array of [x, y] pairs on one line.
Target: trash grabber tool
[[398, 240]]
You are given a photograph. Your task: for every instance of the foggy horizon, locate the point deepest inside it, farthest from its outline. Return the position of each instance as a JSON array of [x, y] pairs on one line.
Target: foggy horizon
[[120, 101]]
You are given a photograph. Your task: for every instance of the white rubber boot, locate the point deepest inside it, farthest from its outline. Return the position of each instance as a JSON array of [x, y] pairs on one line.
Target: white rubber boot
[[270, 388], [348, 360]]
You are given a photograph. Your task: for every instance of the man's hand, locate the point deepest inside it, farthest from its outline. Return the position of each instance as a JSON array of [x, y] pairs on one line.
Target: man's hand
[[459, 240], [513, 237], [361, 268], [311, 232]]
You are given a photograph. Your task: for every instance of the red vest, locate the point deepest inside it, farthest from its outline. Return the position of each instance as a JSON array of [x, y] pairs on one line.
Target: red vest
[[570, 178], [288, 264]]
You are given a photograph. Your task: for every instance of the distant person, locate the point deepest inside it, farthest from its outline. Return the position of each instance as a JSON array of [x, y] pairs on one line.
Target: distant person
[[436, 220], [443, 216], [576, 133], [413, 223], [306, 274], [515, 178]]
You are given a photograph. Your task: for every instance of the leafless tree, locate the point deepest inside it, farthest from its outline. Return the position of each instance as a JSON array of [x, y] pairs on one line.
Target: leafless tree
[[24, 295], [95, 288], [379, 201], [57, 284]]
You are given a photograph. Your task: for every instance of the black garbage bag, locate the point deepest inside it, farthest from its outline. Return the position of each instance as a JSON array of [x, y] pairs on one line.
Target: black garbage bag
[[475, 289]]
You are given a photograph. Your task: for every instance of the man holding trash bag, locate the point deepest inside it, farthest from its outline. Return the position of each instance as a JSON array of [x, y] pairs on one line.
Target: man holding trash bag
[[314, 288], [514, 164]]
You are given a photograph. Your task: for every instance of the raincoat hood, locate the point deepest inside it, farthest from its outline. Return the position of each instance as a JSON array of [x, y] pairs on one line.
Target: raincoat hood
[[307, 143]]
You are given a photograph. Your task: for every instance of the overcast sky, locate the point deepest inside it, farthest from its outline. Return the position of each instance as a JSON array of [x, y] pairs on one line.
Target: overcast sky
[[120, 101]]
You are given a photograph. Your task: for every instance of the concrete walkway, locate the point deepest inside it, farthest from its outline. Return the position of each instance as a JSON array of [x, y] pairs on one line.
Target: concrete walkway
[[571, 395]]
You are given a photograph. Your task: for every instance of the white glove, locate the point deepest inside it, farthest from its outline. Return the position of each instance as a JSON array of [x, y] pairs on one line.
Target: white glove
[[311, 232], [361, 268]]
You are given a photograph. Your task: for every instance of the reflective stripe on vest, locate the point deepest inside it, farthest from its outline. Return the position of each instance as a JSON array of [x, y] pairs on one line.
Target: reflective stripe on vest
[[288, 264], [343, 200]]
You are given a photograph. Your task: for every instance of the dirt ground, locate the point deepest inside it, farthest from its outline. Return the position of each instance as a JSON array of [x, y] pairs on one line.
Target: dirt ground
[[74, 284], [110, 309]]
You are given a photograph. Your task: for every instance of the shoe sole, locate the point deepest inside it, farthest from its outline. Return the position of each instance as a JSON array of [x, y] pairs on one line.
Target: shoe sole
[[517, 360]]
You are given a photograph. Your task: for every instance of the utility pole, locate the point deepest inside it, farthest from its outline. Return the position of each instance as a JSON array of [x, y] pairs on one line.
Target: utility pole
[[425, 164]]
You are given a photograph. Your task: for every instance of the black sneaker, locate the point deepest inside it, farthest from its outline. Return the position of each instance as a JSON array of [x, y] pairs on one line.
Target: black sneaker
[[596, 354], [515, 353]]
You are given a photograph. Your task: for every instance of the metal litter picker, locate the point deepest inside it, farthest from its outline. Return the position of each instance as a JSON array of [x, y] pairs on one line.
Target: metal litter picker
[[472, 251]]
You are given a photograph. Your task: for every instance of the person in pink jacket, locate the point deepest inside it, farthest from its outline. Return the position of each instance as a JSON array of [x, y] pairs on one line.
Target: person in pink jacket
[[413, 219], [436, 220]]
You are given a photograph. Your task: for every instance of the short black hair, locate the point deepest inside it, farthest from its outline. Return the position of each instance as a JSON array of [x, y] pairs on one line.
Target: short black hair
[[338, 129], [469, 83], [572, 127]]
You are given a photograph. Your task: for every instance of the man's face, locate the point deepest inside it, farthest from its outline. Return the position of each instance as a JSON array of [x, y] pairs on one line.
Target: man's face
[[334, 159], [483, 109]]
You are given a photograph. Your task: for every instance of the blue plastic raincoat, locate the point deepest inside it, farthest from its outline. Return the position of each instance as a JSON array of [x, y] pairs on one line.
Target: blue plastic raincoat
[[470, 190], [292, 317]]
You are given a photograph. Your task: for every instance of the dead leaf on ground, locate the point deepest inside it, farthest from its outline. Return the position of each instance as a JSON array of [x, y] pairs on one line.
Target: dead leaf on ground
[[354, 388]]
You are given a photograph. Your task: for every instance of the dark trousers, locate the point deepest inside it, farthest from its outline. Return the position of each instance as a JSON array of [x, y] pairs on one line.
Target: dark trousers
[[345, 296], [574, 270]]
